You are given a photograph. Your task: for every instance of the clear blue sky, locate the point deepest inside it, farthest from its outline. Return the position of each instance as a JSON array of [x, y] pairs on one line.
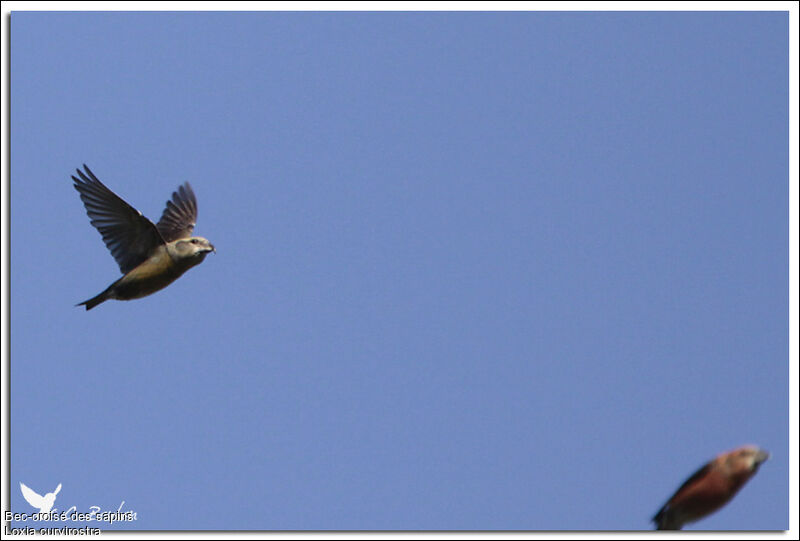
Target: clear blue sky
[[475, 270]]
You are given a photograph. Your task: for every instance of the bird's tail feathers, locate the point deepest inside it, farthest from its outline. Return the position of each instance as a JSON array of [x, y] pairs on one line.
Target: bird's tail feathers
[[94, 301]]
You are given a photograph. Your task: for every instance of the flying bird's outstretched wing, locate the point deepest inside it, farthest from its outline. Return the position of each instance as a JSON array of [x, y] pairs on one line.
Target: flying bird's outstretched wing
[[57, 490], [688, 486], [180, 216], [31, 497], [129, 236]]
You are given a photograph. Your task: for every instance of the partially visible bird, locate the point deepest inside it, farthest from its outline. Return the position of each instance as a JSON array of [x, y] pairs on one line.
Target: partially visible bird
[[150, 256], [43, 503], [710, 488]]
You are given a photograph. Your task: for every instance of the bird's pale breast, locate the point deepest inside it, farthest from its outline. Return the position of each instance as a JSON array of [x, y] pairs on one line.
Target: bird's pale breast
[[155, 273]]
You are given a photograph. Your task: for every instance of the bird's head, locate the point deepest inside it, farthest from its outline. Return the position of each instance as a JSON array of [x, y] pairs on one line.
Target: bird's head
[[191, 250], [756, 455], [745, 460]]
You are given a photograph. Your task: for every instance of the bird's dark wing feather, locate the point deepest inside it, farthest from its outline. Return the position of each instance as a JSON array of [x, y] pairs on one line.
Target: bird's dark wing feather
[[129, 236], [180, 216], [694, 477]]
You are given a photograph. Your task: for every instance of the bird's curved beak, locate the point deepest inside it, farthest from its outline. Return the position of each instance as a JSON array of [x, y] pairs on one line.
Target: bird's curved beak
[[761, 456]]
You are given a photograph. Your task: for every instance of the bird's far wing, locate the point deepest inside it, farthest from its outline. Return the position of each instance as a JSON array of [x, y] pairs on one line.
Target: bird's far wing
[[31, 497], [180, 216], [686, 484], [129, 236], [699, 474], [57, 490]]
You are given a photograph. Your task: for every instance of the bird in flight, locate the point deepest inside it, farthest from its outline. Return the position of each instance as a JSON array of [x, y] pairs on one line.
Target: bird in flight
[[150, 256], [43, 503], [710, 487]]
